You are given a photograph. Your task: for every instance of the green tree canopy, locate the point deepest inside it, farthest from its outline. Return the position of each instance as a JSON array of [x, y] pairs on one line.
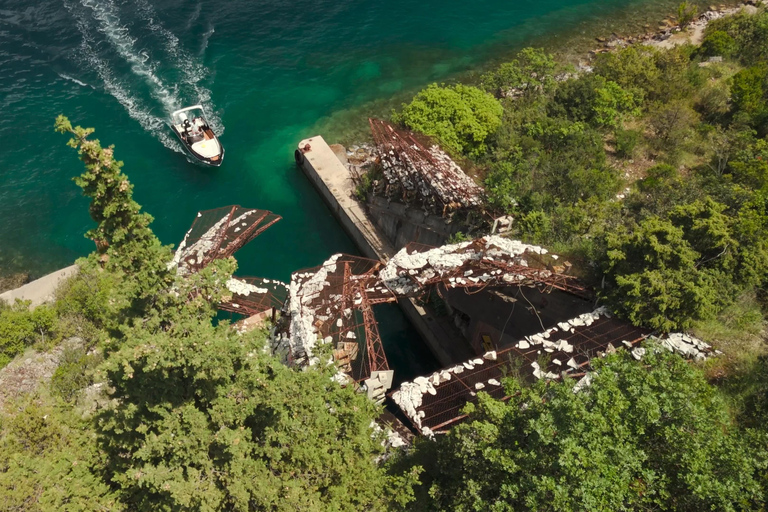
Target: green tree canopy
[[203, 419], [595, 100], [532, 71], [460, 117], [132, 255], [652, 277], [750, 33], [650, 436]]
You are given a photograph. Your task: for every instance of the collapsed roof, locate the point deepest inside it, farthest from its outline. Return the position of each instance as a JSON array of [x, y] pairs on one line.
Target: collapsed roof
[[433, 403], [219, 233], [254, 295], [488, 261], [331, 304], [416, 174]]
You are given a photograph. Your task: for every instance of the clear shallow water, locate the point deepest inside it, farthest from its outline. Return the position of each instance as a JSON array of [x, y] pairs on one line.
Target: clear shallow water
[[269, 72]]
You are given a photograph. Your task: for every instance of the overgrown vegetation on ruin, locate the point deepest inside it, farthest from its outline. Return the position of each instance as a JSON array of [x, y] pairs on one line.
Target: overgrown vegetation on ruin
[[649, 170]]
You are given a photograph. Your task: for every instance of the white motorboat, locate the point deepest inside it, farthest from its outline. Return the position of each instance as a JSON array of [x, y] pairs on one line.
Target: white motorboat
[[196, 135]]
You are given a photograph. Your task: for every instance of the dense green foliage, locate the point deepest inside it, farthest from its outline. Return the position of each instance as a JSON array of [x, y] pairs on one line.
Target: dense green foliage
[[651, 436], [187, 415], [21, 328], [530, 73], [685, 141], [49, 460], [207, 421], [461, 117]]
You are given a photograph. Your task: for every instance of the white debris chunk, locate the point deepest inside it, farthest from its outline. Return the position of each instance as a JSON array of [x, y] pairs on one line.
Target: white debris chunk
[[240, 287], [584, 382]]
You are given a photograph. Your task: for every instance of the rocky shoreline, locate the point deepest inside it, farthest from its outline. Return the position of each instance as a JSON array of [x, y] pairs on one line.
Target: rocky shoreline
[[670, 33], [13, 281]]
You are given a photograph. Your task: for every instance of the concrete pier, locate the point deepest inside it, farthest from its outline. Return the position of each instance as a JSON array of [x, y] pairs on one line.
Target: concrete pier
[[40, 290], [332, 179]]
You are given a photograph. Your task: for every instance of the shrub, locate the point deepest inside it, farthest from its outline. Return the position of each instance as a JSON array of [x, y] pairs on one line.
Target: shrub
[[597, 101], [21, 328], [535, 226], [633, 68], [365, 185], [713, 101], [672, 125], [503, 186], [626, 142], [686, 12], [748, 92], [532, 71], [750, 33], [75, 372], [460, 117], [717, 43]]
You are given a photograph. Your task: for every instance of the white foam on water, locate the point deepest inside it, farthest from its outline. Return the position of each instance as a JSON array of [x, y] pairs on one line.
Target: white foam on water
[[75, 80], [206, 37], [106, 13], [136, 109], [195, 15], [191, 70]]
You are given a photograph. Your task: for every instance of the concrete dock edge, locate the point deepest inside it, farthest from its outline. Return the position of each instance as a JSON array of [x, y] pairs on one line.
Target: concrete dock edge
[[331, 178]]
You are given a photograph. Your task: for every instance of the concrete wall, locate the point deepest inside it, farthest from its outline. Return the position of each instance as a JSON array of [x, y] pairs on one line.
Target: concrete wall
[[40, 290], [332, 180], [402, 224]]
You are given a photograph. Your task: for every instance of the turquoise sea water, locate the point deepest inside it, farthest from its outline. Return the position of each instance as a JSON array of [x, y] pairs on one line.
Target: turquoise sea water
[[270, 72]]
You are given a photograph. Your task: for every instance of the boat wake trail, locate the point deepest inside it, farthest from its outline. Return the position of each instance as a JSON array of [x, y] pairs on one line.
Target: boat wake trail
[[191, 71], [137, 75]]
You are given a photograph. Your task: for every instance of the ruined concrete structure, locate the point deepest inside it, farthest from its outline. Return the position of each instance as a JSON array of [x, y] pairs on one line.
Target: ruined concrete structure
[[416, 174], [331, 305]]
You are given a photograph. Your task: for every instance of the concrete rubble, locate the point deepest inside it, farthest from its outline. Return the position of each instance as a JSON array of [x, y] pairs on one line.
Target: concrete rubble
[[687, 346], [418, 174], [240, 287]]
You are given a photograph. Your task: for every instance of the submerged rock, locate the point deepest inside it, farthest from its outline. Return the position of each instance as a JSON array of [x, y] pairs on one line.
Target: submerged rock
[[13, 281]]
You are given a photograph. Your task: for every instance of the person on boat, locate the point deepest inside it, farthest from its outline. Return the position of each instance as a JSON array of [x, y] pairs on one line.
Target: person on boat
[[193, 130]]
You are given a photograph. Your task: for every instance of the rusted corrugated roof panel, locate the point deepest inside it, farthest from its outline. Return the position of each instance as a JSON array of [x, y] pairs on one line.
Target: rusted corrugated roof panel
[[253, 295], [433, 403], [488, 261], [219, 233]]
